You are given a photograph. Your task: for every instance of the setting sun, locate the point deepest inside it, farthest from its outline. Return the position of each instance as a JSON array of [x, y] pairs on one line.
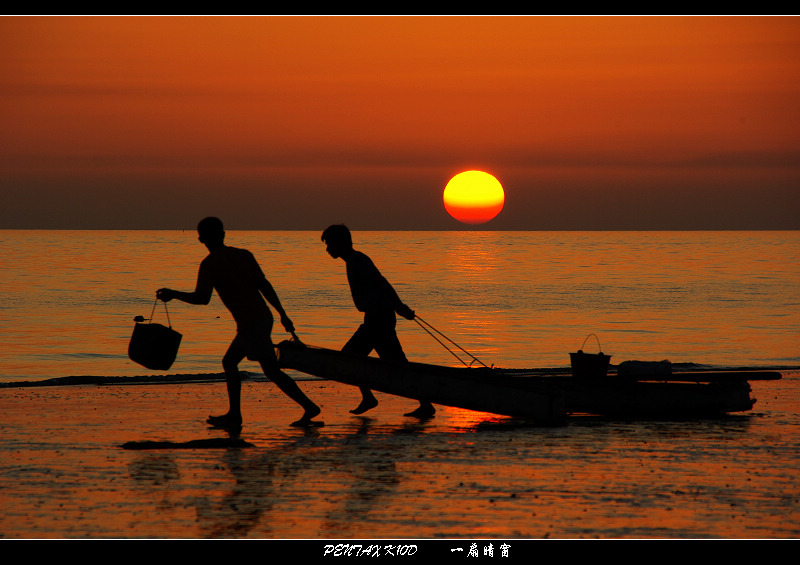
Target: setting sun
[[473, 197]]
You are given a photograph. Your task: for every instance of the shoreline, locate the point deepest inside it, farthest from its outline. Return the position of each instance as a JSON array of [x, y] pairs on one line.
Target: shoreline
[[177, 378], [248, 376]]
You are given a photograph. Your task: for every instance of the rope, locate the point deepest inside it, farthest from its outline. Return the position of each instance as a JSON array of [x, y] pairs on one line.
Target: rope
[[169, 323], [422, 323]]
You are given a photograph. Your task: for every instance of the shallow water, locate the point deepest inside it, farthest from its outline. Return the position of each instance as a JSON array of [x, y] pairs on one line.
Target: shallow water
[[460, 475]]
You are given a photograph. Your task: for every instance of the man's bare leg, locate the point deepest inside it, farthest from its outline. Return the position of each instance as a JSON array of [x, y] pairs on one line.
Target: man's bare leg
[[368, 402], [292, 390], [233, 418]]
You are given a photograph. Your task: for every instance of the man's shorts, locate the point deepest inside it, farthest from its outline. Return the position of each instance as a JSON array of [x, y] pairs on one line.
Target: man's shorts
[[255, 341], [378, 333]]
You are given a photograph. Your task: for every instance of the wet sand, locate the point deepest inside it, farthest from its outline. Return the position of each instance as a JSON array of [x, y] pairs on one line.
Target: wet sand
[[461, 475]]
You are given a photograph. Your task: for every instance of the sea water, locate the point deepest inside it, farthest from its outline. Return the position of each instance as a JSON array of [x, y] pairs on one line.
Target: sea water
[[510, 299]]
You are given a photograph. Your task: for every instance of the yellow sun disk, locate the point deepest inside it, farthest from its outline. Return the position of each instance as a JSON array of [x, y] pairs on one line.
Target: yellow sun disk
[[473, 197]]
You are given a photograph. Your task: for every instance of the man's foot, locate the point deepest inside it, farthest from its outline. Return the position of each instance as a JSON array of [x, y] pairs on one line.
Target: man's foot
[[366, 404], [306, 423], [226, 421], [424, 412], [306, 420]]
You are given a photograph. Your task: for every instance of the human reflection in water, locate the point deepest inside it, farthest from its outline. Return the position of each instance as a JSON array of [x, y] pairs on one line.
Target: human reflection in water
[[275, 491], [241, 285], [377, 299]]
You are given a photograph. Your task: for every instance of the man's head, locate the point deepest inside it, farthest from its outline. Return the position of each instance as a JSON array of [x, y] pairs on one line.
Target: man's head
[[338, 239], [210, 231]]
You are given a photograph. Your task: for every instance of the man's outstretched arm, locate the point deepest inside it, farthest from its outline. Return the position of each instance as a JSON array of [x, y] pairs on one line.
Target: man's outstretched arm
[[201, 294], [272, 297]]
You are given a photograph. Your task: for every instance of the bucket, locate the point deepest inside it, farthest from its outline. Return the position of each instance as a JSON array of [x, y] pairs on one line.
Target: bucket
[[589, 365], [154, 346]]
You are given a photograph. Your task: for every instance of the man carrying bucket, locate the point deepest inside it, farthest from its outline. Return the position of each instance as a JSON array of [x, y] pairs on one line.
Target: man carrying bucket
[[241, 285]]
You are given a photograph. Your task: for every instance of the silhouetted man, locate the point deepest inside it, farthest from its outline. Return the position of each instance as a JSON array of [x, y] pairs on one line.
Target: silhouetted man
[[377, 299], [241, 285]]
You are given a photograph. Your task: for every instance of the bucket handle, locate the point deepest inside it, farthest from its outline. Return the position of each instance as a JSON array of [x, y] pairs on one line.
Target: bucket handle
[[596, 339], [150, 319]]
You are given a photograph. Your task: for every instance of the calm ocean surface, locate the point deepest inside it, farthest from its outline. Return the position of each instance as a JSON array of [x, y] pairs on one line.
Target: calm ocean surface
[[513, 299]]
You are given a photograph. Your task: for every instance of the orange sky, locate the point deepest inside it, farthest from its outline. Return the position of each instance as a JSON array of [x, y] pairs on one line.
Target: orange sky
[[296, 123]]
